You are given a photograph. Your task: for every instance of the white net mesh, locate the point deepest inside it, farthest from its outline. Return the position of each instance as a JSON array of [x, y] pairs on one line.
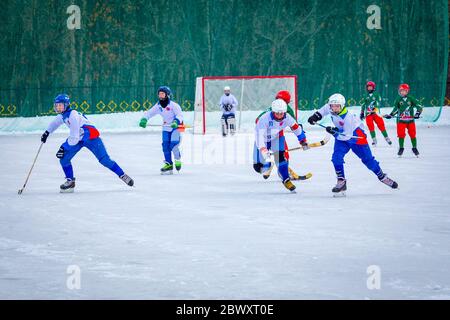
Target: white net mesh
[[254, 95]]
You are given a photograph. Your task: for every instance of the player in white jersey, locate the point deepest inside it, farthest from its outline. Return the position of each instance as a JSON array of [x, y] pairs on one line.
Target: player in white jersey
[[269, 137], [82, 134], [170, 111], [349, 134], [228, 104]]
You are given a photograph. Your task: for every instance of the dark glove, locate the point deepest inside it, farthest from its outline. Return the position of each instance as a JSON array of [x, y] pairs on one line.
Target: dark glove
[[60, 153], [314, 118], [304, 144], [228, 107], [361, 116], [44, 136], [387, 116], [332, 130], [417, 115]]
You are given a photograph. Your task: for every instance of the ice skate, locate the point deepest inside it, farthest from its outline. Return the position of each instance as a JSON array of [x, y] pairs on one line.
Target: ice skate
[[289, 185], [167, 169], [125, 178], [389, 182], [68, 186], [340, 188]]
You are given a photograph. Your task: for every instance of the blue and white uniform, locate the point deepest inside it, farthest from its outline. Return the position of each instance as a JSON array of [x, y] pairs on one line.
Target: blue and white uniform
[[350, 125], [171, 138], [82, 134], [269, 134], [228, 100]]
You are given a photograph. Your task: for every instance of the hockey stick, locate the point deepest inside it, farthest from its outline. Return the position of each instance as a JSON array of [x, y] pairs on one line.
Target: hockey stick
[[341, 134], [160, 125], [29, 173]]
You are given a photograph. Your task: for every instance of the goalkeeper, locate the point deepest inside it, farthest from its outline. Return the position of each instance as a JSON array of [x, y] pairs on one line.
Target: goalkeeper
[[228, 104]]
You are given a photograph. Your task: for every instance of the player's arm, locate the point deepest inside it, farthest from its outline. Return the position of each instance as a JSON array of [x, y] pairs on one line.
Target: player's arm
[[260, 129], [297, 129], [418, 106], [148, 114], [319, 114], [394, 109], [178, 116], [55, 124]]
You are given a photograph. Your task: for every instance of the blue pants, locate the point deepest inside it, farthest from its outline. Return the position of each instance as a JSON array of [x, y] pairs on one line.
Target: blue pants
[[341, 148], [171, 143], [97, 147], [278, 147]]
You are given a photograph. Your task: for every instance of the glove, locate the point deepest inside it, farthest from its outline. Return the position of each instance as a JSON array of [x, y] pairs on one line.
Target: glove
[[265, 153], [143, 123], [332, 130], [314, 118], [361, 116], [174, 124], [44, 136], [387, 116], [417, 115], [60, 153], [304, 144]]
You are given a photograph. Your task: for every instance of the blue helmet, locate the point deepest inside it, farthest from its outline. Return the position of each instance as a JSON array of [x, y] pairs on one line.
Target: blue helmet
[[62, 98], [166, 90]]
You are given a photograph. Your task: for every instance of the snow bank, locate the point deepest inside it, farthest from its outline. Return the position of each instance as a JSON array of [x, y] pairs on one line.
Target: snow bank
[[128, 121]]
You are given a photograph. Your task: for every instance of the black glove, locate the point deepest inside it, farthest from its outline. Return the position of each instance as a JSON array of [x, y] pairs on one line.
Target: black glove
[[361, 116], [332, 130], [228, 107], [387, 116], [60, 153], [417, 115], [44, 136], [314, 118]]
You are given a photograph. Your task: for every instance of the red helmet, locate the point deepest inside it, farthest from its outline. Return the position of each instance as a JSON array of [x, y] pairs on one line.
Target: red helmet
[[285, 95], [404, 86], [370, 83]]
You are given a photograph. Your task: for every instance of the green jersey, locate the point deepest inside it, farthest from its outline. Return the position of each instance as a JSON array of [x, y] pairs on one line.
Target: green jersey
[[371, 103], [404, 108], [290, 111]]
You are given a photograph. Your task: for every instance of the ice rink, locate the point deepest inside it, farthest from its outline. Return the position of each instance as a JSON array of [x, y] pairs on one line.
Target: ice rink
[[217, 230]]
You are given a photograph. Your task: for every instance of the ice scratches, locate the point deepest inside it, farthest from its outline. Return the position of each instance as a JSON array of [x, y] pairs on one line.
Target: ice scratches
[[36, 250]]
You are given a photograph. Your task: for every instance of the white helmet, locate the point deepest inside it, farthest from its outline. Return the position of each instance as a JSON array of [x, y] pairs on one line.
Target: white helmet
[[226, 88], [279, 105], [337, 98]]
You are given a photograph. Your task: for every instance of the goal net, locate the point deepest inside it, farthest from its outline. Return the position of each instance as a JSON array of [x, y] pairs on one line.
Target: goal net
[[254, 95]]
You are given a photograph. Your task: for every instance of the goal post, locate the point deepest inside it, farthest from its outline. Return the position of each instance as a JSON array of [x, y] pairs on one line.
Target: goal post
[[254, 95]]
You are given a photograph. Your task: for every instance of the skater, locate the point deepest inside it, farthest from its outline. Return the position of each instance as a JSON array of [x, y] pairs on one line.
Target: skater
[[286, 96], [404, 107], [228, 104], [172, 116], [82, 134], [269, 137], [369, 110], [349, 135]]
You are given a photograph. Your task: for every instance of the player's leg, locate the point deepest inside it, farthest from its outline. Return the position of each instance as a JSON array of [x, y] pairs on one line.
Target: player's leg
[[380, 124], [365, 154], [231, 121], [340, 150], [97, 147], [175, 142], [371, 126], [401, 133], [167, 151], [279, 148], [412, 135], [65, 155], [223, 120], [260, 165]]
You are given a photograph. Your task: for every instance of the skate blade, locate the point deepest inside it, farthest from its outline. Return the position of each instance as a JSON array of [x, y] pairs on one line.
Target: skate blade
[[70, 190], [167, 173], [341, 194], [20, 191]]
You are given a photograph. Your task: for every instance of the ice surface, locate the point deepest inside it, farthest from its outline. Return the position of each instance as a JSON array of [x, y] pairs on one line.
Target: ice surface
[[217, 229]]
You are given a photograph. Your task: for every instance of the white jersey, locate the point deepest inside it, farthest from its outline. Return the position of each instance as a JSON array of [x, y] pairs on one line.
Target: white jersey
[[75, 121], [268, 129], [171, 112], [346, 122], [231, 100]]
